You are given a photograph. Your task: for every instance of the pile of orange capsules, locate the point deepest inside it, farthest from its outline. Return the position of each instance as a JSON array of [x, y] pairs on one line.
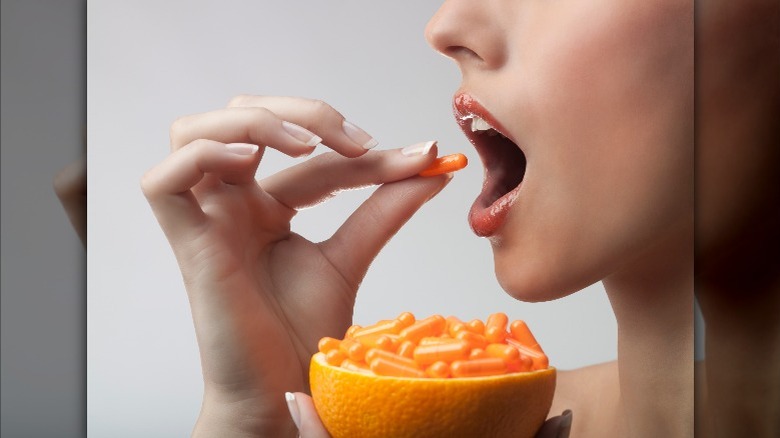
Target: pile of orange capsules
[[437, 347]]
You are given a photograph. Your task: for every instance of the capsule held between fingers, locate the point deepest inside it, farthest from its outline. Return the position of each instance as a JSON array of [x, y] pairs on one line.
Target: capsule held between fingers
[[445, 164]]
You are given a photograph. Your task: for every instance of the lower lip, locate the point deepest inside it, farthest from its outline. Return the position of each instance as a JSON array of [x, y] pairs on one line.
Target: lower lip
[[486, 221]]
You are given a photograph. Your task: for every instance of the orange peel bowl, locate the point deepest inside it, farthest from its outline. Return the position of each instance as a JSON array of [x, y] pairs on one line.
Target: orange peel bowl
[[358, 403]]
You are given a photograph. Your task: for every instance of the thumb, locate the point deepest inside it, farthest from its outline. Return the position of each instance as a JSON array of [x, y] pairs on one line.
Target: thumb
[[556, 427], [305, 416]]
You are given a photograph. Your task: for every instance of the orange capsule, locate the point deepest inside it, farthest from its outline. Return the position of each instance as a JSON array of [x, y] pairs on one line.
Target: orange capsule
[[353, 349], [474, 340], [390, 342], [476, 326], [351, 331], [495, 328], [522, 333], [454, 325], [495, 335], [503, 351], [457, 328], [446, 352], [431, 326], [375, 353], [384, 367], [438, 370], [406, 349], [478, 353], [391, 326], [539, 359], [351, 365], [335, 357], [478, 367], [445, 164], [326, 344], [431, 340], [522, 364], [406, 318], [371, 341]]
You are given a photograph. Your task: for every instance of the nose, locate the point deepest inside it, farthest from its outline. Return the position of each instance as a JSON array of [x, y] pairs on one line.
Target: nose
[[467, 32]]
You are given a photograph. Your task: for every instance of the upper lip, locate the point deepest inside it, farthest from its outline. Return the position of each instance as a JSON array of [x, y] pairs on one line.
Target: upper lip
[[504, 162], [465, 107]]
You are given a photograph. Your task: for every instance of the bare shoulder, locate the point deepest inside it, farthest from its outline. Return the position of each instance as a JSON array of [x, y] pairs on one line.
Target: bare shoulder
[[592, 393]]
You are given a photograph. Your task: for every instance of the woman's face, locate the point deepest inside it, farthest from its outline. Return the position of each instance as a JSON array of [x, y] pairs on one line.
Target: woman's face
[[595, 100]]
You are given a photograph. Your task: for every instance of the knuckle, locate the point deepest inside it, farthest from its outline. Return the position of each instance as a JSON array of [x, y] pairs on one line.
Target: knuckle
[[322, 109], [148, 184], [178, 128], [239, 100], [199, 146]]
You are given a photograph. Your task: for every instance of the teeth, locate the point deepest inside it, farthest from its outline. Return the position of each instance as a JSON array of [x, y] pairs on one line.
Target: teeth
[[479, 124]]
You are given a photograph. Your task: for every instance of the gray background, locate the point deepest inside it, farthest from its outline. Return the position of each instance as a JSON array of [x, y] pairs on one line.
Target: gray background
[[43, 298], [150, 62]]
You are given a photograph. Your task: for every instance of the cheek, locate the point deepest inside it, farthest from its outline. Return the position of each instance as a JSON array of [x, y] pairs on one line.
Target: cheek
[[610, 158]]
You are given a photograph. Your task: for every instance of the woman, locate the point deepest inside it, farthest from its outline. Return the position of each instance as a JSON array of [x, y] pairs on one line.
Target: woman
[[591, 180]]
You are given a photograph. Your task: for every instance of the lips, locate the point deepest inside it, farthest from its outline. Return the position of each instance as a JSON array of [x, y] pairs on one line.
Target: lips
[[504, 162]]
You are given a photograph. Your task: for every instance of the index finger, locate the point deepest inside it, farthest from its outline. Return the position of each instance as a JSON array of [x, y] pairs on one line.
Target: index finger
[[338, 133]]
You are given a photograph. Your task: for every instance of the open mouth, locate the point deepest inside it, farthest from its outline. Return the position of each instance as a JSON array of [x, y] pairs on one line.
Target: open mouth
[[504, 162]]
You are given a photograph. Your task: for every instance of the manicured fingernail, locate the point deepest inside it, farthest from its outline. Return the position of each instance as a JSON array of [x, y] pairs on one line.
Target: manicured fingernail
[[359, 136], [565, 425], [418, 149], [292, 405], [242, 148], [302, 134]]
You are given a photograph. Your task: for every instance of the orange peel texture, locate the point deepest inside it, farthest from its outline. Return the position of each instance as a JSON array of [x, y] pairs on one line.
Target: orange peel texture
[[412, 378]]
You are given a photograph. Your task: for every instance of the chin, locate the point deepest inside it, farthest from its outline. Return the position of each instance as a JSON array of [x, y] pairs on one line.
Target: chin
[[537, 280]]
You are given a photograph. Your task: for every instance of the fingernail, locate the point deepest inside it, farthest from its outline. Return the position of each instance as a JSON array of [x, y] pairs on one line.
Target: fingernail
[[359, 136], [292, 405], [565, 424], [301, 133], [242, 148], [418, 149]]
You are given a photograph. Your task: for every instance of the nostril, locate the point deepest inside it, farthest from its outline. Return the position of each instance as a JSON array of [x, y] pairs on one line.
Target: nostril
[[460, 53]]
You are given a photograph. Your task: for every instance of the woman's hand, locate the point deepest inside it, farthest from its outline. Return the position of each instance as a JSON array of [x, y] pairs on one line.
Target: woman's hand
[[261, 295], [305, 416]]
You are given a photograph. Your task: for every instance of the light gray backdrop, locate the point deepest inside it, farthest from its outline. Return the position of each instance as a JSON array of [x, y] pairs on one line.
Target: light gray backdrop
[[150, 62]]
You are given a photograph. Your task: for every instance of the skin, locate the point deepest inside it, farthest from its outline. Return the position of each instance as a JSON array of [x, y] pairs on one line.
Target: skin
[[738, 281], [607, 128], [70, 185], [249, 278], [606, 125]]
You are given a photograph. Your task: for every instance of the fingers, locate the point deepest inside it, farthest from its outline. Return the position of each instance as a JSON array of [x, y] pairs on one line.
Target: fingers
[[257, 126], [556, 427], [70, 184], [168, 185], [305, 416], [315, 115], [319, 178], [355, 244]]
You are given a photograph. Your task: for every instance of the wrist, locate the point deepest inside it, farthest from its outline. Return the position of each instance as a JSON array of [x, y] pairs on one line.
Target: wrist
[[221, 417]]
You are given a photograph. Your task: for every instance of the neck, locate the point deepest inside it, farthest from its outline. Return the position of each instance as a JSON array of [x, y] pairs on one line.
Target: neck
[[652, 298], [740, 382]]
